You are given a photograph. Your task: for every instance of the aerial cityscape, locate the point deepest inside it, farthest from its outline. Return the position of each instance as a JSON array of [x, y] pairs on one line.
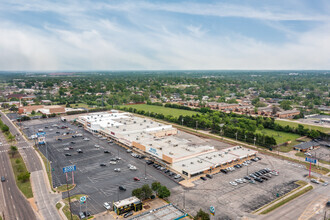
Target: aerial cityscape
[[164, 110]]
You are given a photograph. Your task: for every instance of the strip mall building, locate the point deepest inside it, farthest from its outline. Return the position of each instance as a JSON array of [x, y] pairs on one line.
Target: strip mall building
[[163, 143]]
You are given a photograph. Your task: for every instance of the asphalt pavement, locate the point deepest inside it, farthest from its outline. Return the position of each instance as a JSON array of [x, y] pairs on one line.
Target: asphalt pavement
[[101, 184], [13, 204], [44, 200]]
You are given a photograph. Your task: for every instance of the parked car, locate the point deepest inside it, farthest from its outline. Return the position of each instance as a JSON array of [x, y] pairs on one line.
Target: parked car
[[113, 162], [117, 169], [67, 154], [107, 206], [81, 215], [149, 162], [223, 171], [129, 151], [103, 165], [107, 152], [87, 214], [122, 188], [136, 179], [97, 146], [80, 151], [128, 214], [86, 139], [203, 178], [177, 176], [209, 176], [3, 179], [233, 183], [315, 181]]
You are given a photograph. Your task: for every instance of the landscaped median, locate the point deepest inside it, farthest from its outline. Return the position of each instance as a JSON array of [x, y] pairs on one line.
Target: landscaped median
[[22, 176], [303, 188]]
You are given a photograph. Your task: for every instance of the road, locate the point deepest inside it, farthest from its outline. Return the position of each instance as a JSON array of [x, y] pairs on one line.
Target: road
[[44, 200], [12, 203], [308, 206]]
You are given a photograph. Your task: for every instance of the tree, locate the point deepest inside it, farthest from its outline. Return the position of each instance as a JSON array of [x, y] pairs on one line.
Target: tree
[[163, 192], [4, 128], [155, 186], [33, 112], [286, 105], [13, 150], [11, 137], [138, 193], [201, 215], [23, 177], [146, 191]]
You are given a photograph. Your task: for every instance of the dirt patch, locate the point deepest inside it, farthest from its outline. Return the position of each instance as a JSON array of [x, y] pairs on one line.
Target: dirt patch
[[272, 194]]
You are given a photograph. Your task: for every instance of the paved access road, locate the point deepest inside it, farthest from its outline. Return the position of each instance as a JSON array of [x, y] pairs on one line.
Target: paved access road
[[311, 205], [44, 200], [12, 203]]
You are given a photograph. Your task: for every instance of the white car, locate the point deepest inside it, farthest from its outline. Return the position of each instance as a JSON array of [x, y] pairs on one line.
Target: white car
[[107, 206], [117, 169], [128, 151], [132, 168], [51, 129], [79, 135], [233, 183], [113, 162], [177, 176], [97, 146], [86, 139]]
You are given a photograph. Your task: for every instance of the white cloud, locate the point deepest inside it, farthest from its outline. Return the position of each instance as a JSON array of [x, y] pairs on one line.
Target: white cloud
[[91, 42]]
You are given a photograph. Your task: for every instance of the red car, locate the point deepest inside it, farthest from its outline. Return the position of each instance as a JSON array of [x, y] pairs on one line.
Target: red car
[[136, 179]]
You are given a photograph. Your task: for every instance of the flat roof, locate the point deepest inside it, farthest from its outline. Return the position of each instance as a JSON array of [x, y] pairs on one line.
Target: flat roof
[[127, 201], [166, 212], [206, 161]]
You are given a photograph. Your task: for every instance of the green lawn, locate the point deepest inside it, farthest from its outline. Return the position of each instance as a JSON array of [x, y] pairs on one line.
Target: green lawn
[[19, 168], [159, 109], [295, 124], [279, 136]]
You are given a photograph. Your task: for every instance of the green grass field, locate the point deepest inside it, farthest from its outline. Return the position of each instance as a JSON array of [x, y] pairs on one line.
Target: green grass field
[[295, 124], [279, 136], [19, 168], [159, 109]]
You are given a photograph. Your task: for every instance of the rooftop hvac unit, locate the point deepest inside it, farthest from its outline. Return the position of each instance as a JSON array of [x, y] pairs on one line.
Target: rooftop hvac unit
[[191, 162], [145, 120], [117, 126], [111, 124], [151, 122], [159, 124], [183, 165], [163, 129], [125, 123], [136, 138], [140, 123], [226, 152], [170, 153], [108, 123], [134, 122], [124, 129], [150, 144], [160, 148], [147, 126]]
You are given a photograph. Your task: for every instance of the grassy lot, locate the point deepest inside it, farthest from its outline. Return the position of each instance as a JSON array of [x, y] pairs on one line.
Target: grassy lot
[[163, 110], [288, 199], [295, 124], [19, 167], [63, 188], [288, 148], [279, 136]]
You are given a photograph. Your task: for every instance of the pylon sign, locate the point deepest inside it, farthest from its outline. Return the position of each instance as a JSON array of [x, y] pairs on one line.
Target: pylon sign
[[82, 199], [212, 210]]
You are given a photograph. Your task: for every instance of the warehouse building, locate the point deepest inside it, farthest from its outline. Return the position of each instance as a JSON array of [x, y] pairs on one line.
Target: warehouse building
[[162, 142]]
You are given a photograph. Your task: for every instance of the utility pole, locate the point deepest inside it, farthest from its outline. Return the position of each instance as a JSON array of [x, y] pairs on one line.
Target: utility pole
[[182, 122], [254, 140], [236, 136], [196, 125]]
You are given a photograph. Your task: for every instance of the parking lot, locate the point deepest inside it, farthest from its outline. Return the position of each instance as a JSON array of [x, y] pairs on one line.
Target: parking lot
[[235, 201], [99, 183]]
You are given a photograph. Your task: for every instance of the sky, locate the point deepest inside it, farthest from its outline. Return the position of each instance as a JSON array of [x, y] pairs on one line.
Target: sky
[[82, 35]]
